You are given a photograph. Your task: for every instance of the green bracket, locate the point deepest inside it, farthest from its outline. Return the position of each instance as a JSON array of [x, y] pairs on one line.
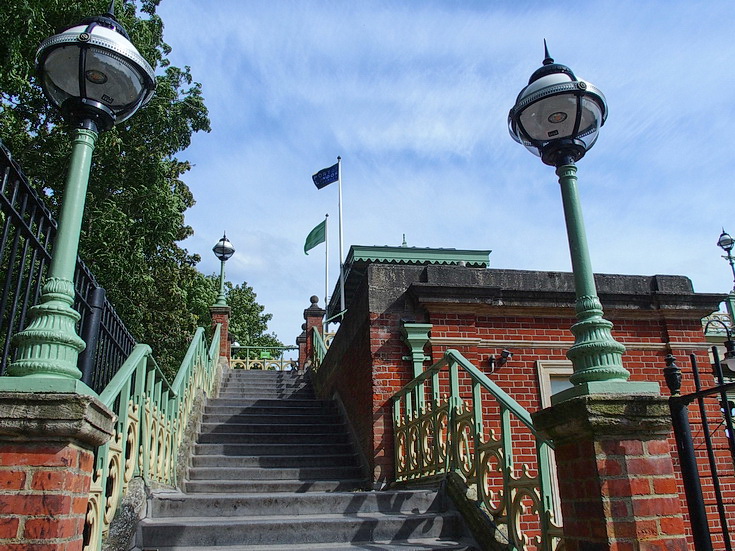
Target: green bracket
[[416, 335]]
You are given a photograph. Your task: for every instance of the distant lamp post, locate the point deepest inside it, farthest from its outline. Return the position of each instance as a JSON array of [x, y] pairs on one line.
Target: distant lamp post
[[558, 117], [222, 250], [94, 75], [726, 243]]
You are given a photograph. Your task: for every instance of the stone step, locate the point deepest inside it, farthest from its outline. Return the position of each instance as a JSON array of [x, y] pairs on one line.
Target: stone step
[[262, 530], [293, 418], [327, 439], [424, 544], [273, 461], [291, 473], [259, 378], [275, 395], [270, 486], [309, 403], [271, 407], [244, 417], [286, 385], [265, 389], [176, 504], [262, 373], [268, 428], [307, 449]]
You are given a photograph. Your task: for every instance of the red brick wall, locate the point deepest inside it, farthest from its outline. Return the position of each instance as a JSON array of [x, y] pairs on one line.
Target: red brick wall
[[645, 362], [365, 364], [347, 373], [44, 490]]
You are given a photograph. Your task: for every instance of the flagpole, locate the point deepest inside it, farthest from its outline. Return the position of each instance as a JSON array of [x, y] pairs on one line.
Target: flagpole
[[326, 267], [341, 244]]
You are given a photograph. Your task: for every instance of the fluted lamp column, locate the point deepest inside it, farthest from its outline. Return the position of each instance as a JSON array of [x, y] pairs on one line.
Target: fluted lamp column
[[94, 75], [558, 117], [223, 250]]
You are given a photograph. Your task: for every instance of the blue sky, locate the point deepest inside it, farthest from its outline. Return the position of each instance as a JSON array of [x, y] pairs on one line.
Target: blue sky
[[415, 96]]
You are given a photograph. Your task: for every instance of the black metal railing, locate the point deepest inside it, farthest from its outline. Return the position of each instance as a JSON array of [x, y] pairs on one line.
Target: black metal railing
[[26, 236], [707, 453]]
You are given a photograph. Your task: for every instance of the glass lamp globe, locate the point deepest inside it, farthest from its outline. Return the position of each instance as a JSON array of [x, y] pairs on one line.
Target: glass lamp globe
[[557, 116], [725, 242], [223, 249], [92, 72]]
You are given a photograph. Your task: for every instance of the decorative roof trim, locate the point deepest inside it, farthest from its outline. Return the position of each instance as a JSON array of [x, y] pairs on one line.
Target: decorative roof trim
[[418, 255]]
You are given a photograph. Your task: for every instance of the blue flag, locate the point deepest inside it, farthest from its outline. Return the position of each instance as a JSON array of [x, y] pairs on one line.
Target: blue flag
[[326, 176]]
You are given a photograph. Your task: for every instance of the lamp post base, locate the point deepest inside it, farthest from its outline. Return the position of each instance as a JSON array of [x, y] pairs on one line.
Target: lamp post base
[[607, 387], [49, 346]]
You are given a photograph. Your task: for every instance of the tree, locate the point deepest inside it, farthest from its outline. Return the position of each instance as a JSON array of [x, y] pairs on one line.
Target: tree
[[248, 322], [134, 215]]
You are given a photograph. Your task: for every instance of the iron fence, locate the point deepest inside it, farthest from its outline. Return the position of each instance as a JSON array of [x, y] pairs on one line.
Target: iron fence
[[706, 450], [27, 234]]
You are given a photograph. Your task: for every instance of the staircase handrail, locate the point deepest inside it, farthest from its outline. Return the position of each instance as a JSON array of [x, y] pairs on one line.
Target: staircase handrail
[[152, 415], [441, 427], [319, 348]]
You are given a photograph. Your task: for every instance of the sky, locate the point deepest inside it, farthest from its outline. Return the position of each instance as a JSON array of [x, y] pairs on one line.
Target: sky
[[414, 96]]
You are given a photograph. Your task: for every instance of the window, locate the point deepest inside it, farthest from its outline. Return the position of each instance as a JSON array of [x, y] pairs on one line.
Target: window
[[553, 377]]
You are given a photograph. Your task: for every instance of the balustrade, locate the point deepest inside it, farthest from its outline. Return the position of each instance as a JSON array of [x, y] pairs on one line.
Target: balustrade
[[452, 418], [152, 416], [261, 357]]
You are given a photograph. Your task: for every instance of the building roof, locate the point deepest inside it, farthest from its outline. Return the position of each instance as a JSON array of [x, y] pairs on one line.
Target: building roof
[[360, 256]]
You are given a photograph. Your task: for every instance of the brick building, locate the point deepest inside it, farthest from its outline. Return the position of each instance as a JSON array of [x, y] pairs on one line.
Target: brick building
[[481, 312]]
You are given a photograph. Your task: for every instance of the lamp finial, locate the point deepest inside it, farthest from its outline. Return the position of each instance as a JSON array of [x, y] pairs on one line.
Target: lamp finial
[[548, 60]]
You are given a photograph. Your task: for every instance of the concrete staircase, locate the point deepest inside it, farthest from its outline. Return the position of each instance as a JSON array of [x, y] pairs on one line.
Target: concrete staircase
[[274, 469]]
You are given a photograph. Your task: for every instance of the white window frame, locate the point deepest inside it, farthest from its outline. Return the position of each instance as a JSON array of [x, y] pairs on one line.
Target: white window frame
[[545, 370]]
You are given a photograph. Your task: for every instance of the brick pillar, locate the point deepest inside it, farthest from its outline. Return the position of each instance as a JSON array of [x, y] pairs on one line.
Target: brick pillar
[[46, 465], [616, 478], [301, 343], [221, 314], [314, 317]]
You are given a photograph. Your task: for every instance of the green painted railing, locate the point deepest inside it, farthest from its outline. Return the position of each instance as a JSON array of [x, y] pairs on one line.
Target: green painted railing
[[452, 418], [151, 418], [319, 348], [261, 357]]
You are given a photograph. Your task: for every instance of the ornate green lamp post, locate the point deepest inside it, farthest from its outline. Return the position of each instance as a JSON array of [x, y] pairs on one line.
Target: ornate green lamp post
[[558, 117], [222, 250], [94, 75], [726, 243]]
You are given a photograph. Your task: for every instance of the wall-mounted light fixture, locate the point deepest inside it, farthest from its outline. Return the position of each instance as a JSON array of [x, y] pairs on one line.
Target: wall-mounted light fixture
[[496, 364]]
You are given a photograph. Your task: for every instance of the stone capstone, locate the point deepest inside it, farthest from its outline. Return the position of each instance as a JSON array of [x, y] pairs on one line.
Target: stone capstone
[[55, 416]]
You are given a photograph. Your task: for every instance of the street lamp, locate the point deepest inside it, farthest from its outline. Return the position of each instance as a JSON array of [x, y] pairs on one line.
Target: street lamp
[[558, 117], [94, 75], [222, 250], [726, 243]]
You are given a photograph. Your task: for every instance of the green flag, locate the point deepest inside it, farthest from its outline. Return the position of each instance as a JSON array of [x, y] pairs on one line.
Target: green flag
[[316, 236]]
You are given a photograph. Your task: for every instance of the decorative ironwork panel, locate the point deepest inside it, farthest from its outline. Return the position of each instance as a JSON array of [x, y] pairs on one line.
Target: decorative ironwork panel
[[152, 415], [452, 418]]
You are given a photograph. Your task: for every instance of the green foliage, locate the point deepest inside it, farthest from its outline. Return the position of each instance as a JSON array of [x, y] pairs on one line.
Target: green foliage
[[248, 322], [136, 201]]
